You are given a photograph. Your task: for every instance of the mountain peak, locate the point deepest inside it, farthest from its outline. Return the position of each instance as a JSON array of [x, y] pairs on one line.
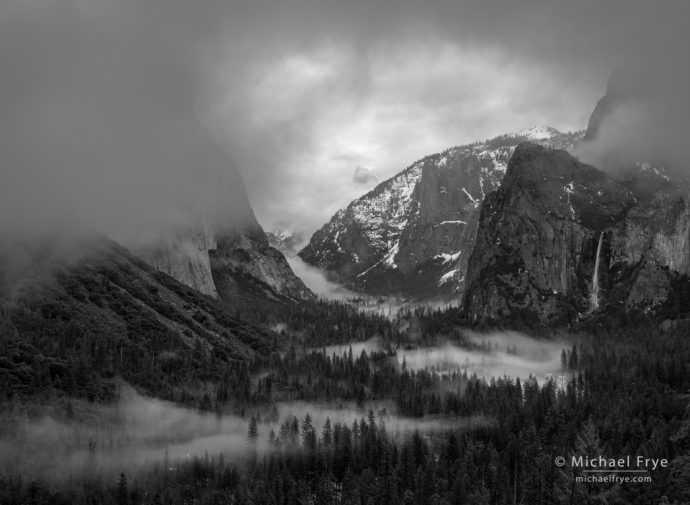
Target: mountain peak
[[412, 235], [538, 132]]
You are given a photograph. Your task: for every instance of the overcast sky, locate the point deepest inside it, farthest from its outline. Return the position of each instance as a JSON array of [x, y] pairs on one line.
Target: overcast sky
[[299, 94]]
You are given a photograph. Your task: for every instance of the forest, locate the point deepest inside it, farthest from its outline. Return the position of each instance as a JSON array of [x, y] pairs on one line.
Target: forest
[[402, 434]]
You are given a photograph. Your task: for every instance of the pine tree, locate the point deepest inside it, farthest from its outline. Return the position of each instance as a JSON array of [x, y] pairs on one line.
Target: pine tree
[[253, 430], [122, 492]]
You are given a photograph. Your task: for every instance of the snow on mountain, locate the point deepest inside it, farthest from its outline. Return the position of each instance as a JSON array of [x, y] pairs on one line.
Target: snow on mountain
[[286, 241], [412, 234], [539, 132]]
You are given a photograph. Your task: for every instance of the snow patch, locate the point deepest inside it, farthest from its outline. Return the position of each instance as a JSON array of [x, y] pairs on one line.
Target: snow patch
[[448, 257], [539, 132], [457, 221], [472, 199], [447, 276]]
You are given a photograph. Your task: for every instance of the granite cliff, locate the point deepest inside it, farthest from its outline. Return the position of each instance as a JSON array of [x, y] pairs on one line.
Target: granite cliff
[[412, 235]]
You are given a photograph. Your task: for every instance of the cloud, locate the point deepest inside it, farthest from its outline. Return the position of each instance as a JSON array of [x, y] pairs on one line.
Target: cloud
[[106, 105], [382, 84], [364, 176], [98, 129], [642, 119], [313, 115]]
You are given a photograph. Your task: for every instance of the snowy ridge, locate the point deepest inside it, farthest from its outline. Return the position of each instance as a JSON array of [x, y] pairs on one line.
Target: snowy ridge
[[539, 132], [364, 239]]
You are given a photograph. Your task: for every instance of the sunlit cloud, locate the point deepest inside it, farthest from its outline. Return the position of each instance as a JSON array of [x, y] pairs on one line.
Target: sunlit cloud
[[316, 115]]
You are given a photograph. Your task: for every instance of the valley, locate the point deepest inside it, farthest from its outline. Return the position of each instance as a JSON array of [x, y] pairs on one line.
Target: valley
[[296, 253]]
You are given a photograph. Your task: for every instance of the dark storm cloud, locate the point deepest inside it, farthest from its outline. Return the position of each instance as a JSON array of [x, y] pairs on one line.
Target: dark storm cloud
[[98, 129], [381, 84], [101, 100], [364, 175], [642, 119]]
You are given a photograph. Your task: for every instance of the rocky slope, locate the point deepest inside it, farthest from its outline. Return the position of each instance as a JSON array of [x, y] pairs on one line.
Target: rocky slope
[[224, 253], [561, 238], [412, 235], [243, 263], [62, 301], [184, 256], [234, 262]]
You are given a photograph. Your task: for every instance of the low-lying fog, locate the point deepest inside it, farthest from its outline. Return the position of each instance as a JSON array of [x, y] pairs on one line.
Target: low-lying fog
[[315, 280], [495, 354], [138, 432], [389, 306]]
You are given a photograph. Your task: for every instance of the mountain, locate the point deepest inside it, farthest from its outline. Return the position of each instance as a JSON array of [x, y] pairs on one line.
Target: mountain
[[624, 86], [412, 235], [286, 241], [224, 254], [75, 314], [243, 263], [561, 238], [235, 262], [538, 235]]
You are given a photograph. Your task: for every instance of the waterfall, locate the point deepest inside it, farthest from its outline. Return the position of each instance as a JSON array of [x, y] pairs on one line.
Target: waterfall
[[594, 297]]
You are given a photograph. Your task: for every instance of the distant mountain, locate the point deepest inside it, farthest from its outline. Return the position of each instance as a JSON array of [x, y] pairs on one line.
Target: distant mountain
[[286, 241], [561, 238], [624, 86], [412, 235]]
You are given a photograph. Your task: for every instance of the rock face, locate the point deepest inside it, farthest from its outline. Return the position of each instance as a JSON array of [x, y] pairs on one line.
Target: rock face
[[413, 234], [539, 234], [226, 254], [184, 256], [653, 240], [243, 262], [623, 86], [226, 264]]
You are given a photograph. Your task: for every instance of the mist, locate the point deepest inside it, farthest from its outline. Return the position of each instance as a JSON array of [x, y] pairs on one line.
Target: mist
[[347, 413], [368, 346], [316, 280], [486, 355], [138, 432], [129, 435], [642, 119], [123, 116], [99, 130], [491, 355]]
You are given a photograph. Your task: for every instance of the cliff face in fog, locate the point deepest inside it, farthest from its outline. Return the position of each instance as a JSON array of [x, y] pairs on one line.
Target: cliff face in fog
[[225, 264], [540, 235], [624, 85], [560, 238], [184, 256], [412, 235], [225, 254]]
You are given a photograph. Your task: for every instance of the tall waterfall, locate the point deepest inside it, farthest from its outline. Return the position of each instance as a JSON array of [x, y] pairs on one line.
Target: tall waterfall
[[594, 297]]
